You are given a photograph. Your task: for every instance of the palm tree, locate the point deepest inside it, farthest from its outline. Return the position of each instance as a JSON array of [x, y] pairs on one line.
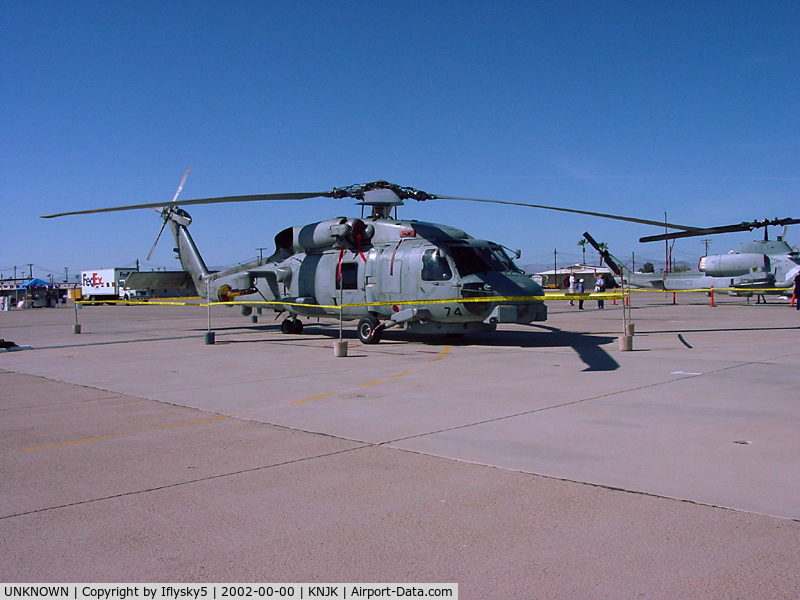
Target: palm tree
[[582, 244], [602, 246]]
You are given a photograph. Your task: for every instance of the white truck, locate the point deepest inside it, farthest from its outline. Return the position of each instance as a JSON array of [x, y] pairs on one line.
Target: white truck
[[103, 285]]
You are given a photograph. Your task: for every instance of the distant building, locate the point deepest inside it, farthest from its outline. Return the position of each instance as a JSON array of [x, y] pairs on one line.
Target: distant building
[[559, 279]]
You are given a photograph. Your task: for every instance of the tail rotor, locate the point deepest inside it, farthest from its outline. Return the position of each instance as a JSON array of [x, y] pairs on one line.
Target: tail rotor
[[168, 211]]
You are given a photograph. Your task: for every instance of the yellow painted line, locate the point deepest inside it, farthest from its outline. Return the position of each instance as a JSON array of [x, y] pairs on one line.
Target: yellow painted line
[[384, 379], [370, 383], [445, 351], [116, 435], [312, 398], [398, 375], [96, 439]]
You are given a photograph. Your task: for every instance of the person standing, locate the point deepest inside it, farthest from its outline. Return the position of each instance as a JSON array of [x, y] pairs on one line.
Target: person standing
[[600, 287], [797, 292], [572, 282], [581, 290]]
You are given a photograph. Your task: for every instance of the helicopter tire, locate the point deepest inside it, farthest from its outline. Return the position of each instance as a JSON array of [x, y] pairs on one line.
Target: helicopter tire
[[287, 326], [297, 326], [369, 330]]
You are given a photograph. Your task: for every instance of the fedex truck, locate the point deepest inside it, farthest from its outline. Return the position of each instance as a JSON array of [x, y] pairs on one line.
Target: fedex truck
[[98, 285]]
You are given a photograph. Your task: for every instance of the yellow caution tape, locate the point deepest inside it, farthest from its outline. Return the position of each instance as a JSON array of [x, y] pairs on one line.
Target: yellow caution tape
[[490, 299], [560, 296]]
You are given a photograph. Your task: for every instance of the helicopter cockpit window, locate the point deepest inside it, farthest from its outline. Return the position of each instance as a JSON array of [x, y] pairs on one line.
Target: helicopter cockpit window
[[468, 261], [505, 259], [492, 259], [435, 266], [349, 280]]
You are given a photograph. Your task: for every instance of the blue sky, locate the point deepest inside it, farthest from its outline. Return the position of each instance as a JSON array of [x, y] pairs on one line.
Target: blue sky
[[632, 108]]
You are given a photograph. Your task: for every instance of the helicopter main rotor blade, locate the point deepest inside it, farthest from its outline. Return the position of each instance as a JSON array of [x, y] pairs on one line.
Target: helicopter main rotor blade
[[158, 237], [575, 211], [180, 186], [220, 200], [747, 226]]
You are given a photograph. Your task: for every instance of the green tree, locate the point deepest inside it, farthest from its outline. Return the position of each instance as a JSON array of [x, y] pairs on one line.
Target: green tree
[[582, 244], [648, 268], [603, 247]]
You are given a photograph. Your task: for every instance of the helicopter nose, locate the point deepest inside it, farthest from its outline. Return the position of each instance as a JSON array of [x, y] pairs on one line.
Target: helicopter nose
[[514, 285], [502, 285], [494, 287]]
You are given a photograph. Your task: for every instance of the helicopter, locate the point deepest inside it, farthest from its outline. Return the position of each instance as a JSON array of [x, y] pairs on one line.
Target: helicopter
[[761, 266], [377, 269], [380, 270]]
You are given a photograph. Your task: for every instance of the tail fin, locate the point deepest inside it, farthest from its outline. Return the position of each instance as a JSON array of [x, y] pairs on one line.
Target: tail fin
[[188, 254], [613, 263]]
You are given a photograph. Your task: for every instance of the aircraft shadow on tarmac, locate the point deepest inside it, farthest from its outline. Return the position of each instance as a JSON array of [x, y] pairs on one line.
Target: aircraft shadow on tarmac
[[587, 346], [719, 329]]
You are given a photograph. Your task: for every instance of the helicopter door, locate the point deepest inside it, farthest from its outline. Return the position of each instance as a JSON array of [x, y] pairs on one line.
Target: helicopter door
[[347, 289], [384, 274]]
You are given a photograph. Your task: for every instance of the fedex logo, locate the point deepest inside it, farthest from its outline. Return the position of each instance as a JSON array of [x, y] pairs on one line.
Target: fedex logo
[[94, 281]]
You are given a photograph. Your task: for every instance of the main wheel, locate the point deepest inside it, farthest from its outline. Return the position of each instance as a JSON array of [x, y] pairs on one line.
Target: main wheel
[[297, 326], [287, 326], [369, 330]]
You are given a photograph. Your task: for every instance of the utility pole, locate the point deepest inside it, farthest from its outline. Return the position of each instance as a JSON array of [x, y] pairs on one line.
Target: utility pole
[[30, 270], [706, 243], [666, 245], [66, 274], [555, 268]]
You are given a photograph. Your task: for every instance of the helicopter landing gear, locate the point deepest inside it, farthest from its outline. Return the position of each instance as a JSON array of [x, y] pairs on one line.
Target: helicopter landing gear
[[370, 330], [292, 326]]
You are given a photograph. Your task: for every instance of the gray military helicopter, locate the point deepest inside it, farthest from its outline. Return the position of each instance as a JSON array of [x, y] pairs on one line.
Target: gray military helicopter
[[768, 266], [381, 270]]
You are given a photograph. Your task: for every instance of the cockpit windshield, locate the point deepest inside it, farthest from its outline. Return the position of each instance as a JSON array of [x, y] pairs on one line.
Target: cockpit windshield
[[481, 259], [501, 255]]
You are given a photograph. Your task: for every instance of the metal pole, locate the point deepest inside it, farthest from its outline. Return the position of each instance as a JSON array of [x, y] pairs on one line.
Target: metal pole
[[666, 245], [76, 328], [209, 336], [341, 301], [555, 268]]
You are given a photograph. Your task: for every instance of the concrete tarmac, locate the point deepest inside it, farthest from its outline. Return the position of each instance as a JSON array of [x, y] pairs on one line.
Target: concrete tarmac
[[536, 461]]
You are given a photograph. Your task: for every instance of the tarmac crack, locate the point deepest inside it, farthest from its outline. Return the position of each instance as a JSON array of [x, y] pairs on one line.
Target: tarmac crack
[[183, 483]]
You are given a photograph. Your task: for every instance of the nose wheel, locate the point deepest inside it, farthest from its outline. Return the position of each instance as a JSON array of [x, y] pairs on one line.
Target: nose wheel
[[292, 326]]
